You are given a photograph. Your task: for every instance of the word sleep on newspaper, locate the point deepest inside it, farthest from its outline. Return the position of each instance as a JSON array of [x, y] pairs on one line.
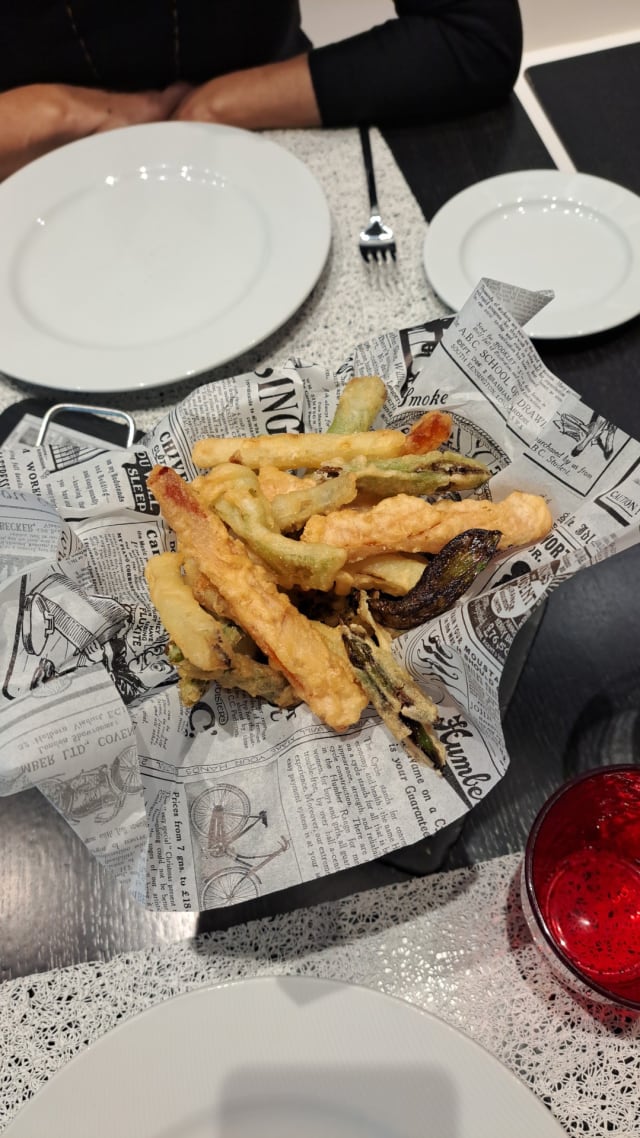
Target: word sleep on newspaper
[[241, 583], [196, 794]]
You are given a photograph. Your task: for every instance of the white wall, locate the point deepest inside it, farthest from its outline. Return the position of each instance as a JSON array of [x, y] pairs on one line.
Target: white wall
[[547, 23], [328, 20]]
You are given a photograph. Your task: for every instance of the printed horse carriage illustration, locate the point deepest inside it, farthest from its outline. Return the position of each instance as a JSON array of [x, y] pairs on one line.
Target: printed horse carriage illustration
[[221, 816]]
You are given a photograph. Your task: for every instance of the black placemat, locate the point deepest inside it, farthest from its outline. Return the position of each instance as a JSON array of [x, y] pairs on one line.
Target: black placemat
[[440, 159], [593, 102]]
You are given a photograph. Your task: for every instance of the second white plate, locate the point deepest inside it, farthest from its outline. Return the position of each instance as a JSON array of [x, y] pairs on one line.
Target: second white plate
[[543, 229], [293, 1057], [148, 254]]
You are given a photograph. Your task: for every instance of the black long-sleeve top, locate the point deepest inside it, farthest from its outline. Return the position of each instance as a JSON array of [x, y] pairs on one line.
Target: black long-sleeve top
[[438, 57]]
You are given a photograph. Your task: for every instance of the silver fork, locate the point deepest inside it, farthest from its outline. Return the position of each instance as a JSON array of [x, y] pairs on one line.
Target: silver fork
[[376, 239]]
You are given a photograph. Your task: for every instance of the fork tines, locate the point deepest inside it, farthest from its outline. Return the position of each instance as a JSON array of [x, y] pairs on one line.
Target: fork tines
[[377, 246]]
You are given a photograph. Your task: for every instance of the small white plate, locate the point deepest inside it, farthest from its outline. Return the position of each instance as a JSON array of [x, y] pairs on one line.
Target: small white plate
[[293, 1057], [543, 229], [148, 254]]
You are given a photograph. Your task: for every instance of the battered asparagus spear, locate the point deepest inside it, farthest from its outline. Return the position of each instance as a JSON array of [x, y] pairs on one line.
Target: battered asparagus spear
[[405, 710]]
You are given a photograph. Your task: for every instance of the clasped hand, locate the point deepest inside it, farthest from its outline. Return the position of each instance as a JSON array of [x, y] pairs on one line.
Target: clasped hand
[[41, 117]]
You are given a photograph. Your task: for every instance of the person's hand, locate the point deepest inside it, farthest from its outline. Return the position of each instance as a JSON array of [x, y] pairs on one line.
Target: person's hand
[[205, 103], [260, 98], [129, 109], [42, 116]]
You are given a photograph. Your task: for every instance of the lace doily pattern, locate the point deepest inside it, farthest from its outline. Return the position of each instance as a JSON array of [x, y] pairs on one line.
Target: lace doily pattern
[[351, 300], [455, 944]]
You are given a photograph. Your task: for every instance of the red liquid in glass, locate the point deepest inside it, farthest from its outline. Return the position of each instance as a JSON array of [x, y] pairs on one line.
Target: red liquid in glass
[[592, 907]]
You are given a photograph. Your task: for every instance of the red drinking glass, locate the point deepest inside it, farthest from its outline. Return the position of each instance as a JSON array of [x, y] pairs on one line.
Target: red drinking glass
[[581, 884]]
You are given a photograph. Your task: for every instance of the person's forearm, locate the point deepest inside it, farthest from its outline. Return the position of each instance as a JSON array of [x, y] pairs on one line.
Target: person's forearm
[[442, 57], [277, 95], [37, 118], [40, 117]]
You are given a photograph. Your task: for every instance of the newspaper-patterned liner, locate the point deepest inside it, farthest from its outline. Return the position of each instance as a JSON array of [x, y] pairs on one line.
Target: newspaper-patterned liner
[[90, 712]]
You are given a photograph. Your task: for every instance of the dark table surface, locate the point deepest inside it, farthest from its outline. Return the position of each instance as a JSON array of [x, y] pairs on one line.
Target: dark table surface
[[595, 95], [571, 692]]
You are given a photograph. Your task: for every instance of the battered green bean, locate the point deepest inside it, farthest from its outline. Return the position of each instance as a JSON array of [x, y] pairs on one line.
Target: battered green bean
[[291, 511], [359, 405], [310, 565]]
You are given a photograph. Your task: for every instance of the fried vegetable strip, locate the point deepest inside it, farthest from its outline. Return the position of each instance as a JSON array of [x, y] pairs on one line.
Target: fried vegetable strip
[[445, 579], [292, 510], [317, 674], [436, 472], [203, 648], [394, 573], [411, 525], [229, 480], [292, 452], [359, 405], [191, 689], [274, 482], [406, 711], [197, 633], [235, 638], [308, 566], [205, 593], [428, 432], [241, 504], [258, 680]]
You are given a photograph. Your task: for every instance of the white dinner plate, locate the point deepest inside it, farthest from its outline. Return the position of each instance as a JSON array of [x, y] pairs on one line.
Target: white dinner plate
[[152, 253], [293, 1057], [543, 229]]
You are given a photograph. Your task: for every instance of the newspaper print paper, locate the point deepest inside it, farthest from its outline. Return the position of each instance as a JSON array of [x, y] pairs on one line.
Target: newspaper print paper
[[213, 805]]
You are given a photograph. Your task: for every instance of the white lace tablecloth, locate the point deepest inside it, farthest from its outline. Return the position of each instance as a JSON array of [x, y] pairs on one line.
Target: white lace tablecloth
[[452, 943], [351, 300]]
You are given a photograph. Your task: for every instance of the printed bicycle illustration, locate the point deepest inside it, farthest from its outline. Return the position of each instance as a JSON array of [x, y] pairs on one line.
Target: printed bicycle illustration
[[221, 816], [101, 791]]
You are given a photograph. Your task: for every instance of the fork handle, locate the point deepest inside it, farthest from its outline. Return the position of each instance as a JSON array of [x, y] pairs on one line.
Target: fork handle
[[368, 168]]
